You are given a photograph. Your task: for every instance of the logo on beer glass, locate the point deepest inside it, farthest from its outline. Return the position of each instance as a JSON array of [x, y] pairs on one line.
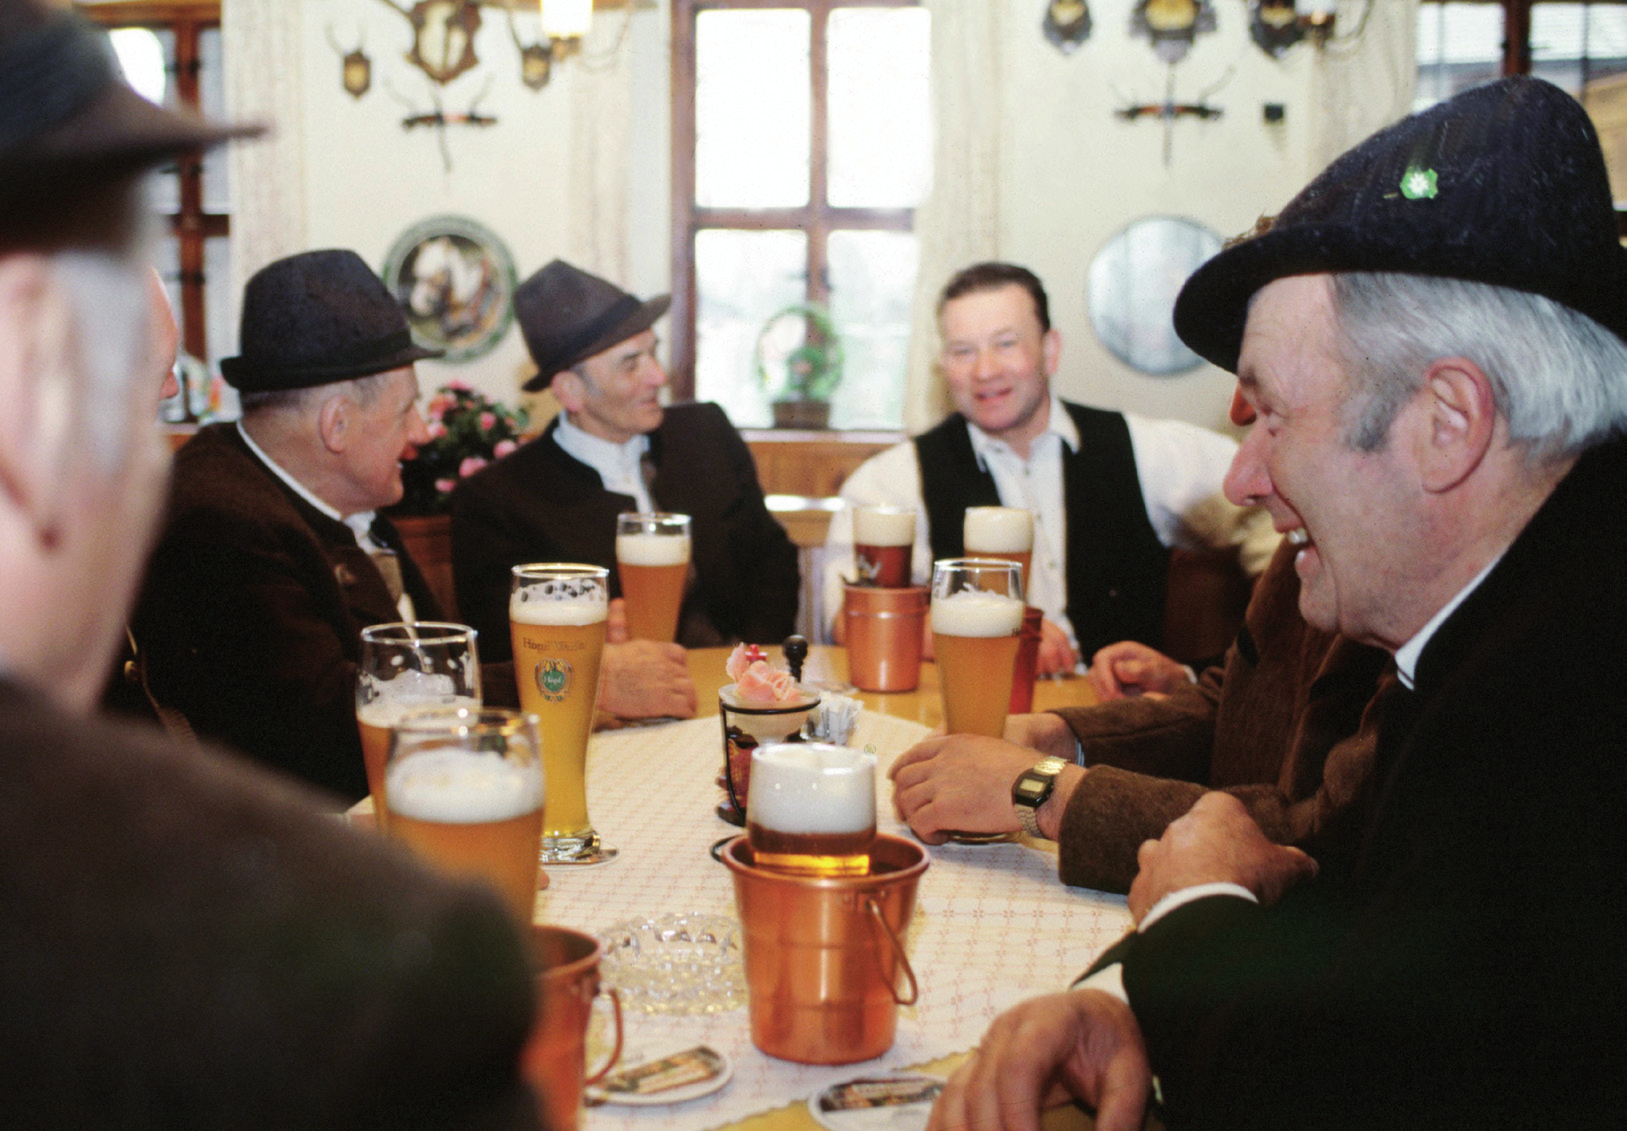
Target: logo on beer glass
[[554, 679]]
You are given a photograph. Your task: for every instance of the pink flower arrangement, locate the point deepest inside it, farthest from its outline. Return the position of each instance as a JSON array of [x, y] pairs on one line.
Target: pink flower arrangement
[[466, 432], [754, 679]]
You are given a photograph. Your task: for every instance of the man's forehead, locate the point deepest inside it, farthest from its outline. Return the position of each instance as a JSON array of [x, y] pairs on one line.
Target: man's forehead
[[1006, 307], [1287, 318]]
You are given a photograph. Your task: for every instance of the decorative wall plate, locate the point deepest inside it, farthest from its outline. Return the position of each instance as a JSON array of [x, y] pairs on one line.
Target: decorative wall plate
[[1132, 287], [455, 280]]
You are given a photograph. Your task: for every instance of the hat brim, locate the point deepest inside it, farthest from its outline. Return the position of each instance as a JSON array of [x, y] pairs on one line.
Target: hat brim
[[647, 315], [245, 376]]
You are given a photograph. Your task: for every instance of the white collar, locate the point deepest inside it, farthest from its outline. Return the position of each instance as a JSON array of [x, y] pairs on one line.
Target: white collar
[[1406, 656], [359, 522], [600, 454], [1060, 425]]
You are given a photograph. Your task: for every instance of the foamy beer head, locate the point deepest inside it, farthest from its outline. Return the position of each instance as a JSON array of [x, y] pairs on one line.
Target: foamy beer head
[[407, 667], [652, 539], [559, 594], [883, 540], [976, 613], [812, 808], [998, 530]]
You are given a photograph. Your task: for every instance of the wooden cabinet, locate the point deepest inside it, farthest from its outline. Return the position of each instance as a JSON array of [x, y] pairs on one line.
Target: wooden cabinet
[[812, 464]]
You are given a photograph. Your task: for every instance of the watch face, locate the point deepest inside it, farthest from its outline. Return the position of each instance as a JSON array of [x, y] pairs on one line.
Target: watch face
[[1032, 788]]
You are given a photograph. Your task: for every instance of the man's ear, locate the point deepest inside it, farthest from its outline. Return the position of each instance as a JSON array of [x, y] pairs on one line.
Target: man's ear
[[38, 386], [335, 422], [570, 390], [1459, 420], [1051, 348]]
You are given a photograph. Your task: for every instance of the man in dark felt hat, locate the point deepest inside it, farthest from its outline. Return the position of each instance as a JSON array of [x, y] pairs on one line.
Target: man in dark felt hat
[[616, 448], [1429, 346], [184, 941], [273, 558]]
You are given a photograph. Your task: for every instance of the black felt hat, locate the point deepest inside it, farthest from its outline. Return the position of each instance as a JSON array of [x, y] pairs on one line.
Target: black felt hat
[[66, 116], [567, 315], [1503, 184], [316, 318]]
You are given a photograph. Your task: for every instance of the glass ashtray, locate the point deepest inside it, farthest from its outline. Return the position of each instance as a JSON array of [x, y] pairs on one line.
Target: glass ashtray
[[676, 964]]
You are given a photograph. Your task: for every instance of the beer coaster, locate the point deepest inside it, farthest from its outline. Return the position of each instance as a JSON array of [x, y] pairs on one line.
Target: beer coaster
[[663, 1078], [876, 1103], [604, 854]]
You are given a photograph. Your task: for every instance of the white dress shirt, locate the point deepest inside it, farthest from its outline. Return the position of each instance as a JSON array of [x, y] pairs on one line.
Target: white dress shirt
[[620, 466]]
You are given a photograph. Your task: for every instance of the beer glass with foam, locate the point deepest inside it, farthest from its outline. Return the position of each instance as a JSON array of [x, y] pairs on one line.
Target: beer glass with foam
[[406, 667], [812, 808], [1000, 532], [556, 619], [464, 790], [883, 542], [652, 560], [977, 616]]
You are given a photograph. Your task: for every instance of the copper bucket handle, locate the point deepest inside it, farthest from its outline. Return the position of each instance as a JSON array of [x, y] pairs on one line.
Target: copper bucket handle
[[898, 951], [615, 1053]]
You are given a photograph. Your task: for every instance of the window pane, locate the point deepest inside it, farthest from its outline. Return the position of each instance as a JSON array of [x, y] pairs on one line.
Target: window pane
[[880, 111], [217, 194], [1459, 46], [872, 278], [752, 109], [217, 299], [1583, 49], [147, 58], [742, 279]]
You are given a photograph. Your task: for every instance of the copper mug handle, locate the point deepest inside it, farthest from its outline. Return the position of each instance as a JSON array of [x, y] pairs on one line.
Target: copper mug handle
[[615, 1053], [898, 951]]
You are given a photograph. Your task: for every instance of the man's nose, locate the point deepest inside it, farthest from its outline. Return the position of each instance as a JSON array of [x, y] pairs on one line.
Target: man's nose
[[1247, 481], [417, 430], [654, 373]]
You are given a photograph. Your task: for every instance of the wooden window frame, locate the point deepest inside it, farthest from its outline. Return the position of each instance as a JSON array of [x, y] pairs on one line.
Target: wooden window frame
[[191, 225], [817, 219]]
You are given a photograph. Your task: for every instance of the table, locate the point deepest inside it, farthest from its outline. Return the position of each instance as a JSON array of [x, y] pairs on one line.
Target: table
[[992, 925]]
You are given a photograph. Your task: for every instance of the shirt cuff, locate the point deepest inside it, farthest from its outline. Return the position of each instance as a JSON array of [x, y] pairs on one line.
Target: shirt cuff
[[1192, 894]]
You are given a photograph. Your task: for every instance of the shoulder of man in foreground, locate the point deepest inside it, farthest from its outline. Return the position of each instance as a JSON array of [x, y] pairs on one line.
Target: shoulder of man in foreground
[[179, 925]]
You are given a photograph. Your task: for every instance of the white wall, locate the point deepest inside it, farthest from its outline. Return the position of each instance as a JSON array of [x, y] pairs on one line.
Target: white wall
[[1073, 174]]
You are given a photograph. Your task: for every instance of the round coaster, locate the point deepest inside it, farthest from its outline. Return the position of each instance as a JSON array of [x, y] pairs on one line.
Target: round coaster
[[664, 1078], [876, 1103]]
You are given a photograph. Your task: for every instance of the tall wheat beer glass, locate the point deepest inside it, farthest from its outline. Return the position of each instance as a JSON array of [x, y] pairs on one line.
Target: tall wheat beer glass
[[556, 617], [977, 614], [464, 790], [407, 667], [1006, 533], [652, 560], [883, 543]]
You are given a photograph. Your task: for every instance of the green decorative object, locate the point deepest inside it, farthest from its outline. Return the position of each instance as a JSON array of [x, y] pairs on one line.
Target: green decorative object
[[799, 361]]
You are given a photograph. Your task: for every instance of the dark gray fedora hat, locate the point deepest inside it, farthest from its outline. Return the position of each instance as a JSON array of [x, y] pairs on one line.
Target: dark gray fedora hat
[[66, 115], [316, 318], [1503, 184], [567, 315]]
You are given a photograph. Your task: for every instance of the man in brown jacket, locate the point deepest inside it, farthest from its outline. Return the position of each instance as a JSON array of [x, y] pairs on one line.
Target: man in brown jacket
[[1285, 725]]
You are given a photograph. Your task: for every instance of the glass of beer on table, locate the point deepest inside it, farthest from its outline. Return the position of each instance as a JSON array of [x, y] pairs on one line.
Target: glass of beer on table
[[977, 618], [464, 789], [652, 560], [556, 617], [1006, 533], [883, 542], [407, 667], [812, 808]]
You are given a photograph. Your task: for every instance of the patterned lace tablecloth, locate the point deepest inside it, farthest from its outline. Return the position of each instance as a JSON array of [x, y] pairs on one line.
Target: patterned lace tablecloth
[[992, 923]]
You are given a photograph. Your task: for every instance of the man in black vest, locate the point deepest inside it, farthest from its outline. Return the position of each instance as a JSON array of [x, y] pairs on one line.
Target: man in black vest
[[1110, 492]]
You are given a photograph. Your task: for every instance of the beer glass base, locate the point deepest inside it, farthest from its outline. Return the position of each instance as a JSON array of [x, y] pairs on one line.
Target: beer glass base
[[983, 838], [577, 851]]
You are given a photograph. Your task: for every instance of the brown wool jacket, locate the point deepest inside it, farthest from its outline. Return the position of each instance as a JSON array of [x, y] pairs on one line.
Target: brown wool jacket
[[1285, 726]]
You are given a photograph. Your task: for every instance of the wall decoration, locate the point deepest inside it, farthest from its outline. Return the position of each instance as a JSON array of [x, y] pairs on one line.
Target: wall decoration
[[1274, 25], [1131, 291], [1066, 24], [443, 36], [1172, 25], [1169, 110], [355, 68], [455, 280]]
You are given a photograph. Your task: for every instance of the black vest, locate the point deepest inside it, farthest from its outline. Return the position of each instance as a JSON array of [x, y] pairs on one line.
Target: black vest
[[1117, 567]]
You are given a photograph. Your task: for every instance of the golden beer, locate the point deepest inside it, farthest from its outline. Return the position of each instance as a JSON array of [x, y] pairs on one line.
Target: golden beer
[[557, 625], [811, 809], [652, 560], [374, 720], [474, 814], [1002, 533], [977, 617]]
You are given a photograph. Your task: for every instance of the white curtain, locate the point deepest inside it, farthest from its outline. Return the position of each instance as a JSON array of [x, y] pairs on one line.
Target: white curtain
[[601, 143], [959, 222], [265, 79], [1384, 58]]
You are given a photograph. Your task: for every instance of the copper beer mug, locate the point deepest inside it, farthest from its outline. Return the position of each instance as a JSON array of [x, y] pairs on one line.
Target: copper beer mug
[[554, 1060], [883, 633], [823, 956]]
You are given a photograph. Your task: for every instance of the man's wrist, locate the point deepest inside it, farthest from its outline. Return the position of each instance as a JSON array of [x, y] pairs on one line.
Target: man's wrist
[[1049, 815]]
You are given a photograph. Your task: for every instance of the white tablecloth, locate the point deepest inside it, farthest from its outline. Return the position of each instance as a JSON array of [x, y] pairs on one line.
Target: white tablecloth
[[992, 924]]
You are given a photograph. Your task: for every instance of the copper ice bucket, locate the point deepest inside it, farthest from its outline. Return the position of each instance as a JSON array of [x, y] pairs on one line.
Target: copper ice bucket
[[823, 955], [554, 1060], [883, 631]]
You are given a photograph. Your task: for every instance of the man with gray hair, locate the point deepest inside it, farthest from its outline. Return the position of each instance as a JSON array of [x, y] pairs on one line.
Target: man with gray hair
[[185, 942], [1429, 346]]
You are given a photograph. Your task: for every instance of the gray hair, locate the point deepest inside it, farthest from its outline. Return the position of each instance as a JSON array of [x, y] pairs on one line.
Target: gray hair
[[363, 390], [1557, 376]]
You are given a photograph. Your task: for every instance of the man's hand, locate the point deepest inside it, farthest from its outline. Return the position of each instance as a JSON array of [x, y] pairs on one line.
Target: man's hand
[[1043, 731], [1128, 668], [1215, 842], [959, 783], [615, 623], [642, 680], [1084, 1044], [1055, 653]]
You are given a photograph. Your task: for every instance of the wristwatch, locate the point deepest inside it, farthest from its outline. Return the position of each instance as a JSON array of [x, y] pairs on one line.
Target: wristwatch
[[1032, 789]]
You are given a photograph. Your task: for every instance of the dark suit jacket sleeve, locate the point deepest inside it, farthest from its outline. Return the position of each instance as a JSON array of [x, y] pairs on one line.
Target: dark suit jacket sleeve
[[766, 565], [237, 642], [488, 540]]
